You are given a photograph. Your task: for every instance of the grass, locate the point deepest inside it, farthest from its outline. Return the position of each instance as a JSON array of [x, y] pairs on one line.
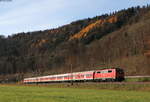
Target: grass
[[13, 93], [130, 86]]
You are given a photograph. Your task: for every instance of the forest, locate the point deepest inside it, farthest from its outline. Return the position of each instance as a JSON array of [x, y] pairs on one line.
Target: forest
[[119, 39]]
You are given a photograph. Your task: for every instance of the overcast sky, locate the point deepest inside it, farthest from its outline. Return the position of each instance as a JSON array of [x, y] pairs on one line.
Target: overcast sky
[[32, 15]]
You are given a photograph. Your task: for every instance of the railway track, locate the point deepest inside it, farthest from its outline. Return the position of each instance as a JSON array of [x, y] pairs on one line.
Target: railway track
[[146, 76]]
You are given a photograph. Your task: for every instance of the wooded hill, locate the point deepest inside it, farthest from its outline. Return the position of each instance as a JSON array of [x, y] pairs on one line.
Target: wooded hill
[[120, 39]]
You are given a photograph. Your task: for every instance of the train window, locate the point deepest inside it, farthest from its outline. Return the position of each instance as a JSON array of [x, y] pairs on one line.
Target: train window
[[104, 71], [98, 72], [82, 75], [88, 75], [59, 77], [120, 71], [65, 76], [109, 71], [70, 76]]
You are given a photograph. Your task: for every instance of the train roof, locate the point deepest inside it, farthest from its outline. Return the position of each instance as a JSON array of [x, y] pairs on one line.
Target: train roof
[[55, 75]]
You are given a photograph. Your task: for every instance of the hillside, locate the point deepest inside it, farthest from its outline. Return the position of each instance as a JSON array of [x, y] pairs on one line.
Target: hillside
[[119, 39]]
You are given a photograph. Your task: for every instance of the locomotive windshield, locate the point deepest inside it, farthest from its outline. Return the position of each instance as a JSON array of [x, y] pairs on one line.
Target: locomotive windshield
[[120, 71]]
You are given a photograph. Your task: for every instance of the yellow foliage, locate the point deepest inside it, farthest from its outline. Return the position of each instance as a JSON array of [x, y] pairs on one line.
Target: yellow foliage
[[99, 23], [39, 43], [112, 19]]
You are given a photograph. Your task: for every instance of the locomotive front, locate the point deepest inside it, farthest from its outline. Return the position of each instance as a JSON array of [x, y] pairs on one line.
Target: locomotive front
[[119, 74]]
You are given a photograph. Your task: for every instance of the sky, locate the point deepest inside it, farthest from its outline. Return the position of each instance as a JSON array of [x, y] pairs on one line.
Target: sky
[[33, 15]]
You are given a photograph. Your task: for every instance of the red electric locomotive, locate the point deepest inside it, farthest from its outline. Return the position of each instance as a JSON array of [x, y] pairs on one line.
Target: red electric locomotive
[[112, 74], [109, 74]]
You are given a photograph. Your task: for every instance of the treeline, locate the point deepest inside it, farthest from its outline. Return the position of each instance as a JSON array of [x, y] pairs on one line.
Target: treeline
[[51, 51]]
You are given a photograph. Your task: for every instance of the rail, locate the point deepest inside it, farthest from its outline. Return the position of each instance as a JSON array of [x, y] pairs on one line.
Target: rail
[[146, 76]]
